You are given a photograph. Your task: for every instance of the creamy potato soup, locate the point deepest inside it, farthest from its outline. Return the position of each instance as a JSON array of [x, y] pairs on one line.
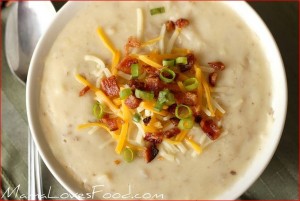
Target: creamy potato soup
[[200, 163]]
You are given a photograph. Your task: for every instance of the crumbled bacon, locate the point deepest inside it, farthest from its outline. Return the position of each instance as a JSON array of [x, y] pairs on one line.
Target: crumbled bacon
[[126, 63], [174, 121], [186, 98], [150, 70], [132, 102], [212, 78], [171, 132], [217, 65], [171, 108], [170, 25], [153, 83], [155, 138], [84, 91], [147, 120], [190, 63], [210, 128], [196, 110], [109, 86], [136, 84], [150, 153], [181, 23], [112, 123], [198, 118], [131, 42]]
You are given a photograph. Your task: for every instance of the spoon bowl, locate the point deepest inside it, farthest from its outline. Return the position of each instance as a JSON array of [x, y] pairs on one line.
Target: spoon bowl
[[25, 24]]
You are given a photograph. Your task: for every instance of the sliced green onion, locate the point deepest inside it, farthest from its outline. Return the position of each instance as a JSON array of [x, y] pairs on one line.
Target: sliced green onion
[[136, 117], [183, 111], [185, 124], [191, 84], [168, 62], [135, 70], [158, 106], [158, 10], [128, 155], [170, 99], [161, 100], [125, 93], [181, 60], [169, 72], [98, 110], [144, 95]]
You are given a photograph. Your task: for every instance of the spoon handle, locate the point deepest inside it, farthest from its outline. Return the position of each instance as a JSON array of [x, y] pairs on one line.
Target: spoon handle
[[35, 189]]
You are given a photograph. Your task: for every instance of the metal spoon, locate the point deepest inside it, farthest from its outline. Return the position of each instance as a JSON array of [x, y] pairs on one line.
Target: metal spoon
[[25, 24]]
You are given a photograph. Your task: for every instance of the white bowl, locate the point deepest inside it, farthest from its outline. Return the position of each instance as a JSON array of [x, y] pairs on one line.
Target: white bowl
[[279, 101]]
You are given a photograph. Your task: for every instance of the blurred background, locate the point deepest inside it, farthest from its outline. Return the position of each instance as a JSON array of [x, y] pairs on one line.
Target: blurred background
[[280, 180]]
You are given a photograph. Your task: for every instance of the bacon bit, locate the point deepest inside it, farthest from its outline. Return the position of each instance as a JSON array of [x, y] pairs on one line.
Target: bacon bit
[[132, 102], [112, 123], [171, 132], [198, 118], [170, 25], [181, 23], [196, 110], [155, 138], [117, 162], [150, 70], [131, 42], [212, 78], [173, 87], [210, 128], [219, 66], [153, 83], [187, 98], [191, 61], [136, 84], [109, 86], [147, 120], [150, 153], [171, 108], [84, 91], [174, 121], [126, 63]]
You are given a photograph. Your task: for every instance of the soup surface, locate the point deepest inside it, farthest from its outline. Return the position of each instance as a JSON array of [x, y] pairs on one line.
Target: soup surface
[[215, 33]]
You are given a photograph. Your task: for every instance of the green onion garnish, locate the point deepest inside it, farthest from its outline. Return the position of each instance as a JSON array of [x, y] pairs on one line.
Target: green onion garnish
[[135, 70], [170, 99], [168, 62], [191, 84], [169, 77], [158, 10], [136, 117], [181, 60], [128, 155], [144, 95], [98, 110], [158, 106], [125, 93], [185, 124], [183, 111]]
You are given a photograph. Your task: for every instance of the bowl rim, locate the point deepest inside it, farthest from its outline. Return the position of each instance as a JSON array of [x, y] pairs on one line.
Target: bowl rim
[[280, 104]]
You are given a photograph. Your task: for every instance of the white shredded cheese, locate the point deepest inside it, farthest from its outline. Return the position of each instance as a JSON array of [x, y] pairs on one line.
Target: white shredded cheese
[[181, 147], [207, 69], [206, 111], [217, 106], [140, 24], [93, 130], [100, 64], [162, 39], [165, 155], [124, 75], [172, 41]]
